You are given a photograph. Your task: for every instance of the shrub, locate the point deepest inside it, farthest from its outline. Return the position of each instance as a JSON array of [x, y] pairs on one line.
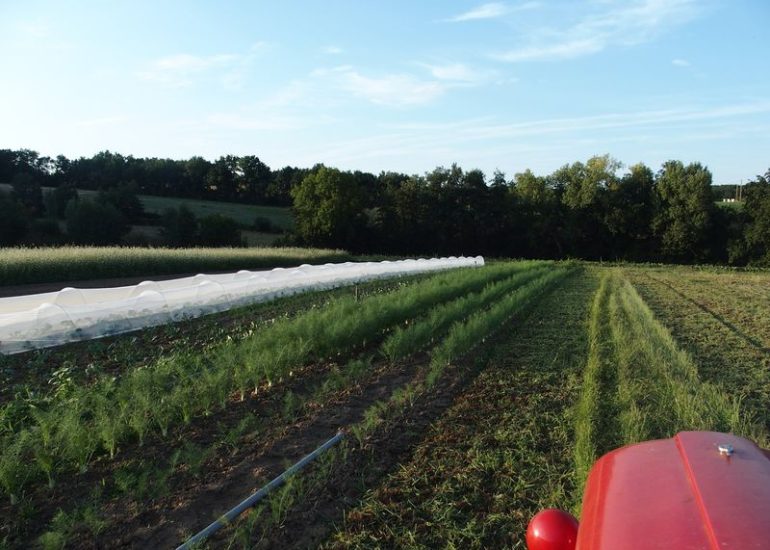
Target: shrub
[[13, 222], [219, 230], [180, 228], [28, 192], [92, 222]]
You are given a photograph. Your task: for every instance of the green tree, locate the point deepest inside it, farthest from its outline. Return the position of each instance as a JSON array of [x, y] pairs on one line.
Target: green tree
[[328, 208], [56, 200], [218, 230], [124, 197], [629, 210], [13, 221], [28, 192], [585, 187], [684, 220], [95, 223], [253, 178], [542, 215], [179, 227], [757, 211]]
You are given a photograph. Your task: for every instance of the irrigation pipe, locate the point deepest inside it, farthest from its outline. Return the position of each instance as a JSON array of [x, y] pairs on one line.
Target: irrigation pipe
[[259, 495]]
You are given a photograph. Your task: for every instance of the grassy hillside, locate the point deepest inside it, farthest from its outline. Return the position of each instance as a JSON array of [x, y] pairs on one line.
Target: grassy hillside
[[242, 213]]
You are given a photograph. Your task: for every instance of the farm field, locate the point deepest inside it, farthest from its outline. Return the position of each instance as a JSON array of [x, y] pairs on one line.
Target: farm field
[[470, 399]]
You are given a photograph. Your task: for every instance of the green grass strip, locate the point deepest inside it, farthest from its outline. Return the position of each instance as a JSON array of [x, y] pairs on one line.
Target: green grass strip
[[638, 384], [41, 265]]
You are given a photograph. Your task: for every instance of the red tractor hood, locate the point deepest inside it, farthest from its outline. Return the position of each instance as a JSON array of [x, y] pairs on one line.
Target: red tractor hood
[[697, 490]]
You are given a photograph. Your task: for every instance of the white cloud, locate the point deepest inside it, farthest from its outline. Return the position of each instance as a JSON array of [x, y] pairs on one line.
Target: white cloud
[[333, 50], [102, 121], [393, 89], [619, 25], [491, 10], [475, 138], [563, 50], [481, 129], [183, 69], [37, 30], [680, 62], [455, 72], [180, 69], [485, 11], [251, 121], [396, 90]]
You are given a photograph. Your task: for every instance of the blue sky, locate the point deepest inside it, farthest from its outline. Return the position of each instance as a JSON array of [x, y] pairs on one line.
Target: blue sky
[[396, 85]]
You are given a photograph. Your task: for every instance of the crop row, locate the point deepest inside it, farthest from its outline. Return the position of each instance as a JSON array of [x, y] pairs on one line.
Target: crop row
[[144, 401], [467, 332]]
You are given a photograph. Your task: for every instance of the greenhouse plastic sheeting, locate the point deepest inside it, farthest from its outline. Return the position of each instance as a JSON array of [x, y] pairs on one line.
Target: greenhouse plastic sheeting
[[53, 318]]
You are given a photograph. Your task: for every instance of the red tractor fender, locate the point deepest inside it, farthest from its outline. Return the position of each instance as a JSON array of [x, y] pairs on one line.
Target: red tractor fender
[[697, 490]]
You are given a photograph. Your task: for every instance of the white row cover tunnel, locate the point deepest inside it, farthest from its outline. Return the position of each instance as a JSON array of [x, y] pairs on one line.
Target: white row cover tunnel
[[54, 318]]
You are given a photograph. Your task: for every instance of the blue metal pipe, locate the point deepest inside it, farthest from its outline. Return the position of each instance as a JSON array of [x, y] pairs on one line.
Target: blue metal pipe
[[259, 495]]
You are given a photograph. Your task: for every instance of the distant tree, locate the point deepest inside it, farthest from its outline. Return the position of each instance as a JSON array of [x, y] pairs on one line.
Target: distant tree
[[195, 175], [219, 230], [328, 208], [221, 180], [44, 231], [585, 186], [629, 209], [264, 225], [179, 227], [757, 211], [684, 220], [28, 192], [283, 180], [7, 165], [13, 221], [95, 223], [413, 227], [56, 200], [124, 197], [253, 178], [542, 219]]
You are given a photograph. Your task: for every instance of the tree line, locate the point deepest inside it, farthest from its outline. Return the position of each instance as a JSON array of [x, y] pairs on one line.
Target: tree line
[[583, 210], [229, 178], [592, 210]]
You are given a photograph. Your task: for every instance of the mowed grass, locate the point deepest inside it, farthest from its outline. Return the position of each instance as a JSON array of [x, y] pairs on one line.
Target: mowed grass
[[639, 384], [58, 264], [244, 214], [723, 321], [500, 453]]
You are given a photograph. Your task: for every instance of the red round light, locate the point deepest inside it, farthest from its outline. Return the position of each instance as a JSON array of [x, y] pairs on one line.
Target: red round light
[[552, 530]]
